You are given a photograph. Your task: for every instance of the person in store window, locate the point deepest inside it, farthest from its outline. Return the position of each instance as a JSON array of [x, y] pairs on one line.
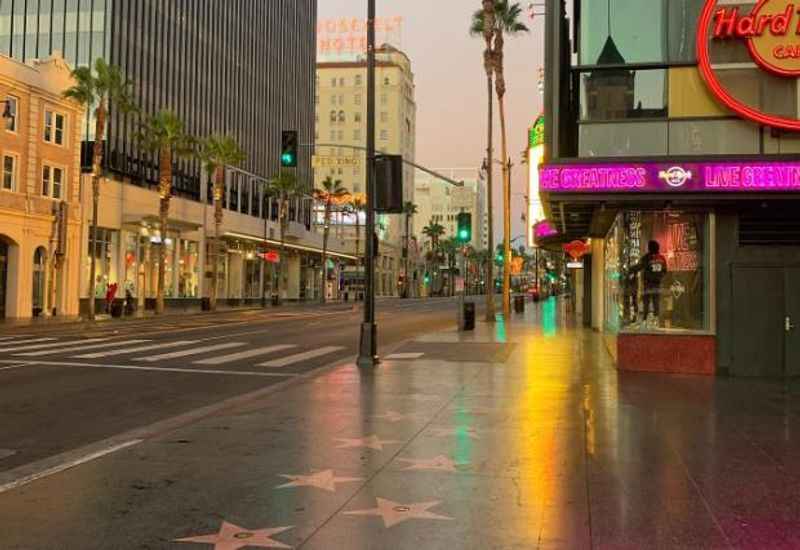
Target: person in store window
[[653, 266]]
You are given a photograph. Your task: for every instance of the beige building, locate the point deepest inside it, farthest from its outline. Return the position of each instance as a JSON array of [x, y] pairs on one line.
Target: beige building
[[341, 116], [40, 212]]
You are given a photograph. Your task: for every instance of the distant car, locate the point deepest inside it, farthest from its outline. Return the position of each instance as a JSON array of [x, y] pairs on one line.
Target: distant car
[[534, 293]]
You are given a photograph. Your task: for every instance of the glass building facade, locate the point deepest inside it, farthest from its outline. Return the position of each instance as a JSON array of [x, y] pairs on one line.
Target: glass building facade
[[244, 68]]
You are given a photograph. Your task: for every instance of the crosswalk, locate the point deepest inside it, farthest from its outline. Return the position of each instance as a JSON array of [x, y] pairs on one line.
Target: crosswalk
[[143, 350]]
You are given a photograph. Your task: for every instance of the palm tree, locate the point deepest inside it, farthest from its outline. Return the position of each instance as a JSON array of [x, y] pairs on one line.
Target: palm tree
[[332, 192], [450, 249], [500, 18], [357, 205], [433, 231], [101, 87], [285, 187], [409, 210], [164, 134], [217, 152]]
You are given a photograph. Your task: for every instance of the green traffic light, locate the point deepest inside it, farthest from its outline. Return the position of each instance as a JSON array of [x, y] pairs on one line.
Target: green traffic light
[[288, 160], [463, 235]]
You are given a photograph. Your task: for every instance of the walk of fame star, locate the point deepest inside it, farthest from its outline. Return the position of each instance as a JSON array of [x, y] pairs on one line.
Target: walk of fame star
[[325, 480], [233, 537], [395, 512], [371, 442], [394, 416], [447, 432], [439, 463]]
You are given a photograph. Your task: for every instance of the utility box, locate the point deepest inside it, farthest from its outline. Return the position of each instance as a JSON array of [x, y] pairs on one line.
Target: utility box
[[389, 184]]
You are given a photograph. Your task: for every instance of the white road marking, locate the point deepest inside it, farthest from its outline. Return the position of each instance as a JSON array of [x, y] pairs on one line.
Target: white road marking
[[286, 361], [128, 351], [242, 355], [404, 356], [17, 365], [190, 352], [67, 465], [79, 348], [5, 453], [16, 344], [152, 369], [4, 338], [53, 345]]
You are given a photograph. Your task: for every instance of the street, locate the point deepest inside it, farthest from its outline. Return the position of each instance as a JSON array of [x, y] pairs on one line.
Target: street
[[67, 387]]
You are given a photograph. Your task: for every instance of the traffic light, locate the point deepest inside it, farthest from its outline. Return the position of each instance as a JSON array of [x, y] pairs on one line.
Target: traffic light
[[289, 146], [389, 184], [464, 232], [427, 278]]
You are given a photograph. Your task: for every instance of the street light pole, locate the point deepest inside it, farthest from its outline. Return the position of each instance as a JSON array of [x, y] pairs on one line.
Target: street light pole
[[368, 349]]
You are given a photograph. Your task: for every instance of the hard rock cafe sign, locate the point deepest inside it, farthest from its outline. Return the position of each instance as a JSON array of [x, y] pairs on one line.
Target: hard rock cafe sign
[[770, 32]]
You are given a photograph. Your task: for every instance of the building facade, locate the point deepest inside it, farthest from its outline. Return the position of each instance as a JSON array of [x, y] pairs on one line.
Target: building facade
[[40, 209], [243, 68], [341, 111], [671, 142]]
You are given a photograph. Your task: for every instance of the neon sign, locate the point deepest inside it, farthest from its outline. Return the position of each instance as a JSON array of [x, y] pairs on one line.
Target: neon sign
[[740, 177], [771, 32]]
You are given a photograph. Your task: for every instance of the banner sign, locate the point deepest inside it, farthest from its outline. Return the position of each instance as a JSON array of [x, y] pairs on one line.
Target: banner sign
[[719, 177]]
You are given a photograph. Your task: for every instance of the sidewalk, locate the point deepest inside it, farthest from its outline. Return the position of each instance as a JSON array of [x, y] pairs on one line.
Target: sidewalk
[[520, 435]]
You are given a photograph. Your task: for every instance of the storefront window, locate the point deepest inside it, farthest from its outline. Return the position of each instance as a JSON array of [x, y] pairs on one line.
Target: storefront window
[[615, 94], [189, 273], [622, 31], [624, 139], [656, 272], [132, 260], [105, 251], [252, 276]]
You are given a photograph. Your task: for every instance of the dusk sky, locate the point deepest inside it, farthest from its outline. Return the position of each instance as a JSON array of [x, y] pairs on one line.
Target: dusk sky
[[451, 86]]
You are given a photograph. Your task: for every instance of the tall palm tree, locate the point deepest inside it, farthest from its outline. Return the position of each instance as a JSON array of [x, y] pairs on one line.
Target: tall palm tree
[[285, 187], [501, 18], [409, 210], [433, 231], [450, 249], [217, 152], [332, 192], [101, 87], [165, 135], [355, 207]]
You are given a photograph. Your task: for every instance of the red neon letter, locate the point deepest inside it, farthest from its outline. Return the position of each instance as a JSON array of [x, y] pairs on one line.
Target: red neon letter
[[725, 22]]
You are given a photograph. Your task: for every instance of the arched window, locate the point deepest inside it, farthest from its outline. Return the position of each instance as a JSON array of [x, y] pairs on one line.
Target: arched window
[[341, 116], [39, 279]]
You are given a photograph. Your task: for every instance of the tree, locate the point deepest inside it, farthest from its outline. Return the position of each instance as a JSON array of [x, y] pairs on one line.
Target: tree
[[100, 87], [433, 231], [285, 188], [355, 207], [450, 248], [409, 210], [217, 152], [164, 134], [497, 19], [332, 192]]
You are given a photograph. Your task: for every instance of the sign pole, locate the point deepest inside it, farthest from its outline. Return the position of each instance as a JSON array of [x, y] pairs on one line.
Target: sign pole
[[368, 349]]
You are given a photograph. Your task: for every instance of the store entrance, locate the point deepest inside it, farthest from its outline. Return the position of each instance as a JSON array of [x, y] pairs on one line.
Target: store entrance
[[766, 321], [3, 278]]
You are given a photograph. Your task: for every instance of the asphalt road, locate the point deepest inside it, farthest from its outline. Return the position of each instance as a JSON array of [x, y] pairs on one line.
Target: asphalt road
[[68, 386]]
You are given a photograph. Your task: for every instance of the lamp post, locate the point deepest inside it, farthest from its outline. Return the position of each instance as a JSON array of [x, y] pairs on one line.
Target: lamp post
[[368, 349]]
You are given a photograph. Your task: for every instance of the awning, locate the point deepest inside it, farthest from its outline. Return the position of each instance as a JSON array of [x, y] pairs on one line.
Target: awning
[[290, 246], [137, 221]]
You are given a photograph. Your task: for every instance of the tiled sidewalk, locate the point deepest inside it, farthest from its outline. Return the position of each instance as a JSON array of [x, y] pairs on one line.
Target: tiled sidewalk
[[517, 436]]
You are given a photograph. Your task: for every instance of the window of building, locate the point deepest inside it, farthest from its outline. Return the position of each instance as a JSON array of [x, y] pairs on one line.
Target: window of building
[[333, 100], [341, 100], [333, 82], [333, 135], [358, 99], [341, 116], [357, 134], [341, 135], [189, 274], [358, 80], [623, 139], [357, 117], [619, 32], [384, 135], [333, 116], [52, 182], [384, 99], [9, 172], [384, 116], [341, 82], [54, 127], [386, 81], [657, 272], [106, 253], [11, 108], [614, 94]]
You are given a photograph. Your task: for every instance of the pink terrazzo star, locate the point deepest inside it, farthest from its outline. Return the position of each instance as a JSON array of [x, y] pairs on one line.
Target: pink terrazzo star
[[233, 537], [393, 513], [372, 442]]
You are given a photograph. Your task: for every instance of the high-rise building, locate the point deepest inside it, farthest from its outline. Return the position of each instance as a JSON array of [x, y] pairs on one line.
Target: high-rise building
[[243, 68], [341, 115]]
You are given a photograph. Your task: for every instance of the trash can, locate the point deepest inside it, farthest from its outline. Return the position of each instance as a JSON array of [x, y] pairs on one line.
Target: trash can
[[519, 303], [117, 307], [205, 304], [468, 318], [276, 300]]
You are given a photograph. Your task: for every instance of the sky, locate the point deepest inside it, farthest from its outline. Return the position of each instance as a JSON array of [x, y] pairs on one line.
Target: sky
[[451, 87]]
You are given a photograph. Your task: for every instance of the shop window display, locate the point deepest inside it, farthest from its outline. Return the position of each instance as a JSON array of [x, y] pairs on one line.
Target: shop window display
[[656, 274], [189, 273]]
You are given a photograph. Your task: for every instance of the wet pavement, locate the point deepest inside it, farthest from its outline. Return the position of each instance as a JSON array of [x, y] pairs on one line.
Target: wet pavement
[[519, 435]]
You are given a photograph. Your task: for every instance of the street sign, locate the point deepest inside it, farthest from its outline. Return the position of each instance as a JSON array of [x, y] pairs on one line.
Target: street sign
[[461, 197]]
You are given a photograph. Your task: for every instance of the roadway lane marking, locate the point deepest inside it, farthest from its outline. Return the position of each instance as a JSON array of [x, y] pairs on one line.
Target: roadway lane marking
[[404, 356], [17, 346], [16, 365], [5, 453], [286, 361], [190, 352], [4, 338], [58, 468], [79, 348], [152, 369], [242, 355], [127, 351]]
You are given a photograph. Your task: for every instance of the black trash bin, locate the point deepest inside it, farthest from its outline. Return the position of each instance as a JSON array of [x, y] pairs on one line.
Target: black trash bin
[[205, 304], [469, 316], [519, 303], [276, 300], [117, 308]]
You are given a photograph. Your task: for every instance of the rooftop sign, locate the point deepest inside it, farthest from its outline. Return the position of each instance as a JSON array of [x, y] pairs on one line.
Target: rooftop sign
[[718, 177]]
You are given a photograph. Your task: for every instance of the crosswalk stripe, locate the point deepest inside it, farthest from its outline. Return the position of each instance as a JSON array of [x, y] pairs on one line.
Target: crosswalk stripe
[[286, 361], [242, 355], [128, 351], [3, 338], [189, 352], [80, 348], [29, 341], [50, 345]]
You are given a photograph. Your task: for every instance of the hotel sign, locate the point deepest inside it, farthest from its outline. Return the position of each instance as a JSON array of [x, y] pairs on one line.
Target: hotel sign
[[771, 35], [720, 177]]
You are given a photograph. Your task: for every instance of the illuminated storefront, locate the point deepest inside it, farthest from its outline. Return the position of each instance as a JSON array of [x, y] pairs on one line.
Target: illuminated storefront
[[672, 143]]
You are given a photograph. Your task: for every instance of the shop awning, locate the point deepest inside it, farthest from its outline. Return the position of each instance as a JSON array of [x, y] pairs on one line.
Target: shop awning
[[290, 246], [153, 221]]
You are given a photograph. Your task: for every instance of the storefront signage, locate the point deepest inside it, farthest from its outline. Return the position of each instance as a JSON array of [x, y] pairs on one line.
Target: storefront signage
[[348, 35], [271, 257], [577, 249], [771, 33], [741, 177]]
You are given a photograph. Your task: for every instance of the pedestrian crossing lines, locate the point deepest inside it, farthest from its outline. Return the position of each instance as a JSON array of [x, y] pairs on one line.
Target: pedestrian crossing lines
[[188, 353]]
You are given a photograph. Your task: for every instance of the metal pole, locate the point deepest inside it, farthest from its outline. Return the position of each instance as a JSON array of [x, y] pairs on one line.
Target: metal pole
[[368, 350], [265, 214]]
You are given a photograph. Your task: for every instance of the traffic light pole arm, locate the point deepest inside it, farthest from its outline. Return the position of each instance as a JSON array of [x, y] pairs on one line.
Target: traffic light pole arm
[[415, 165]]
